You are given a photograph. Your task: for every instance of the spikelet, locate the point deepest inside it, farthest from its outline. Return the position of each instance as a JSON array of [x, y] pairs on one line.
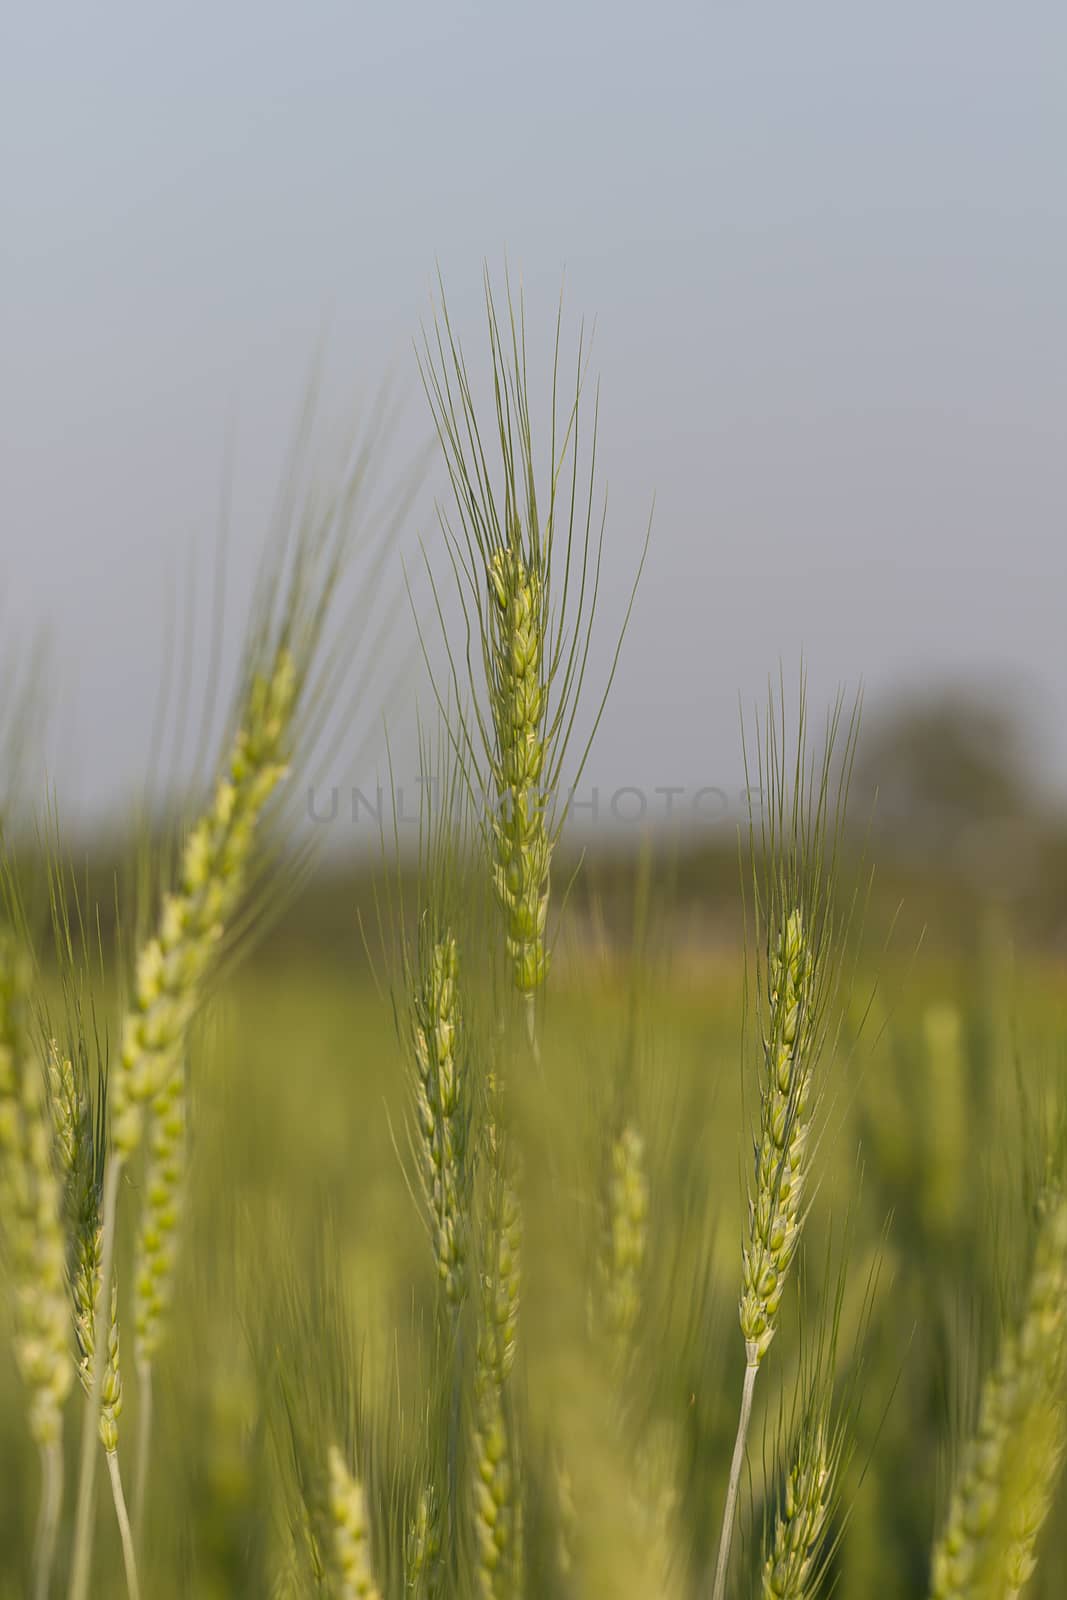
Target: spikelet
[[31, 1213], [518, 699], [497, 1485], [1010, 1467], [435, 1026], [349, 1533], [790, 1570], [157, 1242], [775, 1216], [172, 966], [624, 1240]]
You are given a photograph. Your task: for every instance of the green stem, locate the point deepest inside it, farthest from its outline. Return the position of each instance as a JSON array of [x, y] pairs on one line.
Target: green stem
[[133, 1587], [48, 1517], [81, 1562], [730, 1509]]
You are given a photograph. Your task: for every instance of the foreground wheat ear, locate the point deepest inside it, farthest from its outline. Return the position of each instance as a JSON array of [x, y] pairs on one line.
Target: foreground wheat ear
[[291, 684], [171, 971], [1010, 1468], [31, 1206], [79, 1140], [527, 566], [801, 938]]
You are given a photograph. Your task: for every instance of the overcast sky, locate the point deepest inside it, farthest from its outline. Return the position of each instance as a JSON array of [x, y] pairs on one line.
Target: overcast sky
[[825, 247]]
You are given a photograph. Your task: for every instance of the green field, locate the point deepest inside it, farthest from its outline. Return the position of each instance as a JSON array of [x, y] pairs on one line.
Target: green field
[[301, 1104]]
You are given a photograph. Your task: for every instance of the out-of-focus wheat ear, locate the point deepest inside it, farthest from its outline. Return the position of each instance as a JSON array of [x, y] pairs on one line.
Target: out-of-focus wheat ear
[[173, 965], [172, 968], [624, 1240], [157, 1258], [423, 1547], [349, 1533], [497, 1483], [31, 1219], [1010, 1467]]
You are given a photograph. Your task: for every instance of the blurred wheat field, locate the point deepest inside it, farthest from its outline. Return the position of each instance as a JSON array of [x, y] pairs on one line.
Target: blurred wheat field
[[299, 1093], [484, 1223]]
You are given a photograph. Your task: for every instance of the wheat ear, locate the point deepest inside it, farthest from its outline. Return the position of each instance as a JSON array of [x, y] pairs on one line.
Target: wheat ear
[[624, 1239], [790, 1570], [434, 1035], [171, 970], [795, 849], [1010, 1467], [497, 1481], [526, 558], [157, 1255], [423, 1546], [349, 1533], [31, 1210], [78, 1138]]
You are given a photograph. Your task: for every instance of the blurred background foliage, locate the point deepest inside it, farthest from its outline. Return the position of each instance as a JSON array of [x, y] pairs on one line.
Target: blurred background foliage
[[299, 1091]]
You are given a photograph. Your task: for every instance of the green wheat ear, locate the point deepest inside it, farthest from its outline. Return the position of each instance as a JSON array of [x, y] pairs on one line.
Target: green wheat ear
[[1011, 1465], [32, 1210], [526, 559], [349, 1533], [801, 937], [173, 965], [497, 1475]]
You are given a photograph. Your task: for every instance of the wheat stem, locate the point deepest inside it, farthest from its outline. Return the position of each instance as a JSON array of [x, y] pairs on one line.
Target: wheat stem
[[730, 1508], [129, 1559], [51, 1452]]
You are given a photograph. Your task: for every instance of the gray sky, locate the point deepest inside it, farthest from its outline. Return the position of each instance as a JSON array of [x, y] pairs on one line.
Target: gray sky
[[825, 247]]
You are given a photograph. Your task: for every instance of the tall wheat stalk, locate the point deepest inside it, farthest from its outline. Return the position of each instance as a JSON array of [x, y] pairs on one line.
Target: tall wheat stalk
[[526, 556], [800, 936]]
